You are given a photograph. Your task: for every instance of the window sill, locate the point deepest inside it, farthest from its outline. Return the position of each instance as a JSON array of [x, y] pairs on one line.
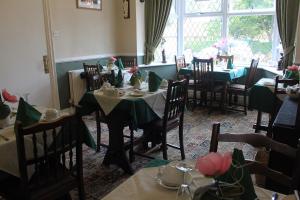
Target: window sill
[[272, 70], [156, 65]]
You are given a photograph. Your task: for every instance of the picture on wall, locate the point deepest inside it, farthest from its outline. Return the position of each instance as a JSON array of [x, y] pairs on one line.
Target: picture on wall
[[126, 9], [90, 4]]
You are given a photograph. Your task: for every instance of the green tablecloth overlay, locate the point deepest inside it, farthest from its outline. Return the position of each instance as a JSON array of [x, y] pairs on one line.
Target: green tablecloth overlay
[[219, 74], [261, 97], [138, 110]]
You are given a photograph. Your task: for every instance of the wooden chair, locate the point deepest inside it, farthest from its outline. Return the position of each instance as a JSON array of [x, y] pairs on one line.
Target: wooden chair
[[92, 76], [179, 63], [243, 89], [129, 61], [173, 117], [224, 58], [54, 151], [256, 167]]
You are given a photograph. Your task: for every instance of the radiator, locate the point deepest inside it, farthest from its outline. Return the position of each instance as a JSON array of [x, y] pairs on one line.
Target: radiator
[[77, 86]]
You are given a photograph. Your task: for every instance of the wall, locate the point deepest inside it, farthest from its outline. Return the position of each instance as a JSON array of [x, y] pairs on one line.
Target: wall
[[83, 32], [126, 30], [22, 46]]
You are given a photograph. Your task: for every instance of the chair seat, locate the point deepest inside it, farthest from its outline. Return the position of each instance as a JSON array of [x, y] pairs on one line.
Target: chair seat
[[157, 125], [237, 87]]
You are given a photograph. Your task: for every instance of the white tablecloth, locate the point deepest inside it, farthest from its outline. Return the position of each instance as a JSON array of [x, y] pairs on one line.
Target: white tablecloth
[[155, 100], [142, 186]]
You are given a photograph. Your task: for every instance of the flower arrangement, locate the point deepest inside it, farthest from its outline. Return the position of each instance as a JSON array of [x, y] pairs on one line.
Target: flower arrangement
[[292, 72], [4, 108], [110, 62], [136, 75], [222, 46], [230, 177]]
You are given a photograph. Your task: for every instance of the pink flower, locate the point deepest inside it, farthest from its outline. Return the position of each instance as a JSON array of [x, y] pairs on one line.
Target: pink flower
[[214, 164], [8, 97], [113, 59], [293, 68], [133, 69]]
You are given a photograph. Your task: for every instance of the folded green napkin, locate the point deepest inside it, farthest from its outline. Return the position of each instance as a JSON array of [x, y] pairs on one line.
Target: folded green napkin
[[120, 64], [243, 173], [27, 114], [154, 81], [119, 79], [229, 64]]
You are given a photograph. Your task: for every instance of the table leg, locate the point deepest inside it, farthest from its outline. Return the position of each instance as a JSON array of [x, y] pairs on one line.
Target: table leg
[[258, 121], [116, 152]]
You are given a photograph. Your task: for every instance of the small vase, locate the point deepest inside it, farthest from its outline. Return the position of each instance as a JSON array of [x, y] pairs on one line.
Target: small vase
[[5, 122]]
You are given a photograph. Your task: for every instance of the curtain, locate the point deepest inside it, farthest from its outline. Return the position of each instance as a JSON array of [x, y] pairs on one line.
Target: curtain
[[287, 18], [156, 16]]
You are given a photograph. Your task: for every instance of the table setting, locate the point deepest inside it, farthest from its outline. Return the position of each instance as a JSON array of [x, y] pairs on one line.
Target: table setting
[[192, 180]]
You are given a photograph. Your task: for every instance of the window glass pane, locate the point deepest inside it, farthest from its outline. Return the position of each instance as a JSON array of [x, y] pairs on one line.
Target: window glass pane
[[200, 34], [236, 5], [194, 6], [251, 36], [169, 41]]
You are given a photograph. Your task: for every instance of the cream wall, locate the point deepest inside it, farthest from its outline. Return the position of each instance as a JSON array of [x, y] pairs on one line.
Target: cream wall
[[126, 30], [297, 59], [83, 32], [22, 46], [140, 27]]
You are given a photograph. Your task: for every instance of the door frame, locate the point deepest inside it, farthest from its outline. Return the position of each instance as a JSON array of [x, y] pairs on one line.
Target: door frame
[[50, 53]]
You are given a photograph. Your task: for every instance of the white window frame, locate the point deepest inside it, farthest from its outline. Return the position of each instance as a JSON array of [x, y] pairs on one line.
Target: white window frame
[[225, 14]]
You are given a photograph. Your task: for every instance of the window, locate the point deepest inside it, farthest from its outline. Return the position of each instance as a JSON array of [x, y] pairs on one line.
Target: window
[[205, 28]]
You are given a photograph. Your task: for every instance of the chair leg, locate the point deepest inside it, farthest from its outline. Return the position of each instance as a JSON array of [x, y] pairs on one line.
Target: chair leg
[[195, 98], [245, 104], [230, 99], [181, 142], [98, 124], [131, 153], [164, 145]]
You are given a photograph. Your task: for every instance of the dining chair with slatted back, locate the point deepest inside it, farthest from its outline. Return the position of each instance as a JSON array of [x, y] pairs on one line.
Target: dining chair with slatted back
[[92, 76], [52, 151], [201, 81], [243, 89], [129, 61], [173, 118], [260, 141], [179, 63]]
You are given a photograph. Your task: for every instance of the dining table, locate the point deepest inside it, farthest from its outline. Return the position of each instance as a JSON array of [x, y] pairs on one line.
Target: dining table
[[136, 107], [144, 185], [220, 72], [8, 145]]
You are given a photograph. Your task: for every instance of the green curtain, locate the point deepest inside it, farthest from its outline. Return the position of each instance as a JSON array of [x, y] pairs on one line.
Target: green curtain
[[287, 18], [156, 16]]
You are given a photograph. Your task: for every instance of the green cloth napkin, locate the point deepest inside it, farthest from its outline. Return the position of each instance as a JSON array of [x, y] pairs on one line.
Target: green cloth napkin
[[27, 114], [119, 79], [229, 64], [120, 64], [246, 181], [154, 81], [156, 163]]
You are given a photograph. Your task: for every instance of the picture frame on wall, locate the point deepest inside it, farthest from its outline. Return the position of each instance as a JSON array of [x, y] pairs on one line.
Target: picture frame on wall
[[126, 9], [90, 4]]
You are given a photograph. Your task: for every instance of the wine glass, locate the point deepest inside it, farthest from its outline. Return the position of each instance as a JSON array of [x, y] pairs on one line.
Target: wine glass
[[184, 192]]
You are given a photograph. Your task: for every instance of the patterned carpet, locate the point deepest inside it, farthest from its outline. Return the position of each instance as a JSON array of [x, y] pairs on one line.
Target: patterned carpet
[[99, 180]]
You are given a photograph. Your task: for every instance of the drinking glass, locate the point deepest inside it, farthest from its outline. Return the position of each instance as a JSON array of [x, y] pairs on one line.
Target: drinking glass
[[184, 192]]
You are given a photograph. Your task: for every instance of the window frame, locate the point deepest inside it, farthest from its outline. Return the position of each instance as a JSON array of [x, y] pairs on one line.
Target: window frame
[[225, 14]]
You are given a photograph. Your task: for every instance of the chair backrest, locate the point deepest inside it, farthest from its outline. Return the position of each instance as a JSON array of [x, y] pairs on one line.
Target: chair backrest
[[53, 150], [255, 167], [175, 101], [278, 91], [180, 62], [251, 73], [92, 76], [129, 61], [225, 58], [202, 67]]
